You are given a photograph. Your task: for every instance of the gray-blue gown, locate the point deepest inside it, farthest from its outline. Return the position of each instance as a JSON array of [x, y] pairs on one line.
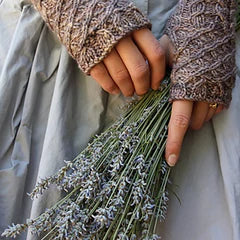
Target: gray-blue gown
[[49, 110]]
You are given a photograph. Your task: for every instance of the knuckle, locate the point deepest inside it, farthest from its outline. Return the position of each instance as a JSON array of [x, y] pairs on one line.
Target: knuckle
[[121, 75], [181, 120], [140, 71]]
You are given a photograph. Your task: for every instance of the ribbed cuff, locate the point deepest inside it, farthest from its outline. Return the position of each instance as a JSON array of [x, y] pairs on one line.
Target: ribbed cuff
[[204, 92]]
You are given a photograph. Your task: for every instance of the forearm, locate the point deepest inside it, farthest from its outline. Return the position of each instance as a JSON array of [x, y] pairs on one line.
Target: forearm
[[90, 28]]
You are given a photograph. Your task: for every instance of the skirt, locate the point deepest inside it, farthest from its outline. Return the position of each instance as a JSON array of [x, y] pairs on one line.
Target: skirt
[[49, 110]]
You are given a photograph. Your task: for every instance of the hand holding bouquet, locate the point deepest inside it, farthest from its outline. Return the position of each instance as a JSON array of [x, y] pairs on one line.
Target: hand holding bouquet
[[116, 187]]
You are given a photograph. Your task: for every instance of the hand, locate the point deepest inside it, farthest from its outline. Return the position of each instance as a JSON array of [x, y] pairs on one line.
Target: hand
[[184, 114], [135, 64]]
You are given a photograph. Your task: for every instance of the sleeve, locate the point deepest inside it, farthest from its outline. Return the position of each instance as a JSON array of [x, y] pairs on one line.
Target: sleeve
[[90, 28], [203, 35]]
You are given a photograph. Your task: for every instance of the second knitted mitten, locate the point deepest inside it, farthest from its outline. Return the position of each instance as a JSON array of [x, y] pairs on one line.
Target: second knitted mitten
[[202, 32]]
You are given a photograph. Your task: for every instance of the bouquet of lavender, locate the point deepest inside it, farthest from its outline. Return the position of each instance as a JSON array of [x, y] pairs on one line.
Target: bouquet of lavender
[[116, 187]]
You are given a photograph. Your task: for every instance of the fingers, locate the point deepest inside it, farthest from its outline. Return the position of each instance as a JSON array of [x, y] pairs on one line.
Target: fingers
[[203, 113], [101, 75], [154, 53], [135, 64], [119, 73], [168, 48], [200, 112], [178, 125], [210, 114], [185, 113], [123, 69]]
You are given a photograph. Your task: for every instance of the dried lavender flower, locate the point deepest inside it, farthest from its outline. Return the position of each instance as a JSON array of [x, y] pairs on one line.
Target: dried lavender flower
[[110, 187]]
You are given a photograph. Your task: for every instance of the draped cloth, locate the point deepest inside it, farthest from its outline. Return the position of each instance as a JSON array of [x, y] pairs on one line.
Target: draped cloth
[[49, 110]]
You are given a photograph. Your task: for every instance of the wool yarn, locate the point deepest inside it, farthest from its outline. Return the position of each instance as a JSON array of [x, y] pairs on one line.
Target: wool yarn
[[90, 28], [203, 35]]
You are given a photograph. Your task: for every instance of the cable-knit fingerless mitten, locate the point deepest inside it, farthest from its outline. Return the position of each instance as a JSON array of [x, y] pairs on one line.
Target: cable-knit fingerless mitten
[[90, 28], [202, 32]]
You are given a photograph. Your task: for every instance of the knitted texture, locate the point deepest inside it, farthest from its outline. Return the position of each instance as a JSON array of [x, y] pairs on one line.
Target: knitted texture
[[202, 33], [90, 28]]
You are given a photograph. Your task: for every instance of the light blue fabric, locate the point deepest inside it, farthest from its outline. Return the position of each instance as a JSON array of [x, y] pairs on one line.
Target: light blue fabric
[[49, 110]]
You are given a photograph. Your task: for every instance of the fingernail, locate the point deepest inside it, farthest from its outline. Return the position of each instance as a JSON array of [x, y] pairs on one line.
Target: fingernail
[[172, 159]]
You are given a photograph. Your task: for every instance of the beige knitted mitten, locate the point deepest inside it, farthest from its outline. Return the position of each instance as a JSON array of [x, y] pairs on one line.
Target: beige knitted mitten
[[90, 28], [202, 32]]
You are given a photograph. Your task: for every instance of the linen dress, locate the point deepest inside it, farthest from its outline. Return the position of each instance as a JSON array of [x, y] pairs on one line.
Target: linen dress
[[49, 110]]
